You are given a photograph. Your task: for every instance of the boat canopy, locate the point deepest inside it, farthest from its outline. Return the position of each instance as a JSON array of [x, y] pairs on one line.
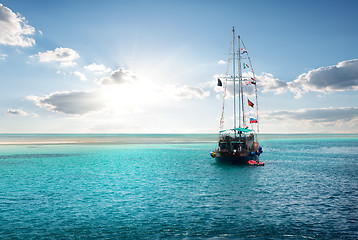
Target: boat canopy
[[238, 129]]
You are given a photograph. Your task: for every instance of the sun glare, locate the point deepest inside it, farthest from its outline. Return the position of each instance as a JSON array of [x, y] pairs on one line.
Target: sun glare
[[129, 98]]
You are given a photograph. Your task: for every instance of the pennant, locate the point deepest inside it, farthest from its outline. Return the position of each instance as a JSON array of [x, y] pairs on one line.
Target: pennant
[[253, 120], [243, 50], [245, 65], [251, 104], [220, 84]]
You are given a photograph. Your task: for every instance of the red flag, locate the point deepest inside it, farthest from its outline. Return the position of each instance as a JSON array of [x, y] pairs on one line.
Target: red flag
[[251, 104]]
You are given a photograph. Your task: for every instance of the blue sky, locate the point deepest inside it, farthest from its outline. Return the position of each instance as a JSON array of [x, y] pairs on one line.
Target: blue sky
[[151, 66]]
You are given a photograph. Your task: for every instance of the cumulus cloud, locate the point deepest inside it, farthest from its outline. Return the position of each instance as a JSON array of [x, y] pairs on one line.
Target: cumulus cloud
[[120, 92], [19, 112], [268, 83], [117, 77], [222, 62], [98, 68], [70, 102], [68, 64], [80, 75], [340, 77], [189, 92], [318, 115], [311, 120], [65, 56], [14, 29]]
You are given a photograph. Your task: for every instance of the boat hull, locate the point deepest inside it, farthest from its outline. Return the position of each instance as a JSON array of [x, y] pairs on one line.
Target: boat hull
[[235, 160]]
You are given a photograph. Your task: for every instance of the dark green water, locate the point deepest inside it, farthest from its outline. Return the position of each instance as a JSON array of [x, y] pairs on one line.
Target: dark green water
[[169, 187]]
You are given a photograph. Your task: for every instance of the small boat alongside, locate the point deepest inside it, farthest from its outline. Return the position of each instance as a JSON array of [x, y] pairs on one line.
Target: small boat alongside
[[239, 144]]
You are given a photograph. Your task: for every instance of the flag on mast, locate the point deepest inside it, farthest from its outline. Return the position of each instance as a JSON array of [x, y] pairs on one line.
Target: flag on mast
[[220, 84], [253, 81], [253, 120], [251, 104]]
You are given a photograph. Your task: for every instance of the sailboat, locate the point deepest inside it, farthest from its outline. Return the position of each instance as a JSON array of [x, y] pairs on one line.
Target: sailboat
[[239, 144]]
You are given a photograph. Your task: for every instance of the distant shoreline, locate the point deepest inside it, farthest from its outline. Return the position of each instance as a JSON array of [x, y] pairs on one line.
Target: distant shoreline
[[53, 139]]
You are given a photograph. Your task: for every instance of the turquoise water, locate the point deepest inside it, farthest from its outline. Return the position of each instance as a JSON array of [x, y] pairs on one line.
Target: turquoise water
[[168, 186]]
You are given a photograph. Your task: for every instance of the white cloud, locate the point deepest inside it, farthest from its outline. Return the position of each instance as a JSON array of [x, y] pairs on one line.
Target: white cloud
[[80, 75], [119, 76], [187, 92], [98, 68], [65, 56], [268, 83], [3, 56], [118, 94], [68, 64], [340, 77], [222, 62], [316, 114], [314, 120], [20, 112], [70, 102], [14, 28]]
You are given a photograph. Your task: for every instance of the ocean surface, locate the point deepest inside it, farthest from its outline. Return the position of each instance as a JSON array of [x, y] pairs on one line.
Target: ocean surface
[[150, 186]]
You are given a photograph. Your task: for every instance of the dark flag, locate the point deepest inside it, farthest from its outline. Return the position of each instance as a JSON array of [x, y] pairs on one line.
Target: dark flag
[[253, 81], [220, 84]]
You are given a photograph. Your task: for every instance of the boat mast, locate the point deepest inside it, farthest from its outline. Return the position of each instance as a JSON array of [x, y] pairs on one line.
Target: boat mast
[[239, 69], [233, 72]]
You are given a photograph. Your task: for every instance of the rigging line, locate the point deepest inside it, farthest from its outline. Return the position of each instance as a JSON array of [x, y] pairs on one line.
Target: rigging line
[[225, 89], [253, 73], [242, 89]]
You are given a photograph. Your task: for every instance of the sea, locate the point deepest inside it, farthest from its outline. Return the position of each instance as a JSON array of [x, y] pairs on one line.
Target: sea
[[167, 186]]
